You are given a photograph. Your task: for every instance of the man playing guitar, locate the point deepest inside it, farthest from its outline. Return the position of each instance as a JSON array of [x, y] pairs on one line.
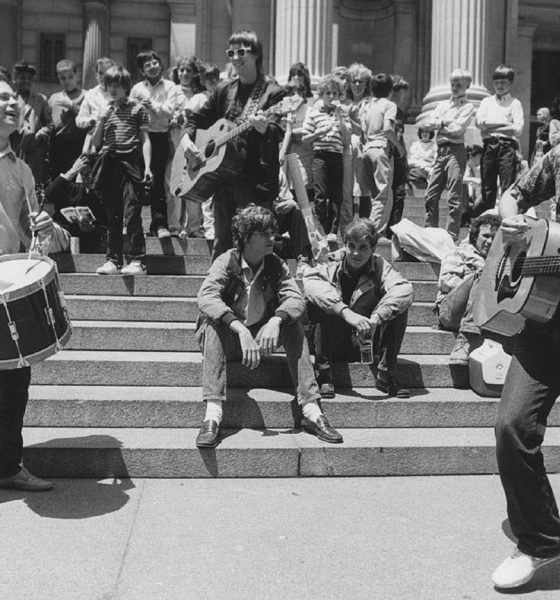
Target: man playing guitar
[[238, 100], [531, 388]]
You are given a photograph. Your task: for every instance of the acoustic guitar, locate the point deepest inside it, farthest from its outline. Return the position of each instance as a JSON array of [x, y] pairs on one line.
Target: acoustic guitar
[[219, 160], [520, 279]]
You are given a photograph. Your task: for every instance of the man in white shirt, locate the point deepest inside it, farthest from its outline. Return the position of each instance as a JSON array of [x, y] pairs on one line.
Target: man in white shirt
[[500, 120]]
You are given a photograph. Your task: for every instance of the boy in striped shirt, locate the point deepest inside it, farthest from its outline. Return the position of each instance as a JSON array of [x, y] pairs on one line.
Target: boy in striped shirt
[[122, 131], [327, 128]]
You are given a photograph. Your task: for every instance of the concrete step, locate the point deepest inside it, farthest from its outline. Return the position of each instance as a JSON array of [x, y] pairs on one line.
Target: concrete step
[[158, 453], [179, 337], [183, 286], [254, 408], [149, 308], [184, 369]]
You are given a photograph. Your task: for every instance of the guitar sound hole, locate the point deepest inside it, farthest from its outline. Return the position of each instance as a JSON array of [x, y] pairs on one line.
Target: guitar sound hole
[[209, 150], [517, 267]]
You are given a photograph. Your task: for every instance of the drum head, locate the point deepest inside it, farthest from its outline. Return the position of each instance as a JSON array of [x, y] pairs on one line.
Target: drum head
[[18, 271]]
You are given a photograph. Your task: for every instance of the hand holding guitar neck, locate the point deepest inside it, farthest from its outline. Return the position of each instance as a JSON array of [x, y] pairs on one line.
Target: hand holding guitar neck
[[259, 122]]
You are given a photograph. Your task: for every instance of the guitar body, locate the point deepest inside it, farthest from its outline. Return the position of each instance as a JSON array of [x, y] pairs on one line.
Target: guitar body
[[520, 279], [221, 162]]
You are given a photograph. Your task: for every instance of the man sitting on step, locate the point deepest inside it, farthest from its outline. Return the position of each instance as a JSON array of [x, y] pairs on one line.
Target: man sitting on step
[[249, 305], [459, 276], [357, 298]]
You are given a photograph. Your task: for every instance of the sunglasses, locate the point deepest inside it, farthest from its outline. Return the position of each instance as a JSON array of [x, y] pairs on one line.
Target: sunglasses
[[357, 81], [241, 52]]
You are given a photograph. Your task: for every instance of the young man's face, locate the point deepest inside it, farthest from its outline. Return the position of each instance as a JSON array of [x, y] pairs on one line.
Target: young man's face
[[243, 60], [502, 86], [484, 239], [358, 252], [542, 115], [358, 86], [68, 80], [9, 109], [99, 72], [459, 87], [117, 92], [152, 68], [260, 243], [23, 82], [329, 96]]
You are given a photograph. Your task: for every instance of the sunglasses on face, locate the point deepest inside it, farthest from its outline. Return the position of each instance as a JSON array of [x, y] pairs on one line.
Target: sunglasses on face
[[241, 52], [358, 81]]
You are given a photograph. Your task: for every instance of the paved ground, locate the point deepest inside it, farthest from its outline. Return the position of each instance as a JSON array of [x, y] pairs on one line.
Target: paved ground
[[414, 538]]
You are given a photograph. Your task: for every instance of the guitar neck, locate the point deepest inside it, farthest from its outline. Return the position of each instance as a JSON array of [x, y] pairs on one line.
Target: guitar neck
[[540, 265]]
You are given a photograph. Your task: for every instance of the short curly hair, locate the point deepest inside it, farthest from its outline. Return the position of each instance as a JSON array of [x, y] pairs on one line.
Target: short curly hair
[[362, 228], [489, 219], [249, 220]]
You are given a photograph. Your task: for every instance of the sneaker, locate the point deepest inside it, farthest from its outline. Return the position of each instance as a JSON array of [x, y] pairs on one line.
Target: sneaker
[[109, 268], [26, 482], [518, 569], [134, 268], [465, 343], [163, 233]]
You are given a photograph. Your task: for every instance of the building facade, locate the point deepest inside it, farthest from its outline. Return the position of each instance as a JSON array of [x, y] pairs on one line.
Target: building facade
[[422, 40]]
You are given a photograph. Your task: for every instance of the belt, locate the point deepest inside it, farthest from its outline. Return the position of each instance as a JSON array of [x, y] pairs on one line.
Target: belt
[[449, 144]]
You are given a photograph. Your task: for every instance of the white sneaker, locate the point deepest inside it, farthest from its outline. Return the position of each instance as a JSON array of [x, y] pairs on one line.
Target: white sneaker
[[163, 233], [134, 268], [109, 268], [518, 569]]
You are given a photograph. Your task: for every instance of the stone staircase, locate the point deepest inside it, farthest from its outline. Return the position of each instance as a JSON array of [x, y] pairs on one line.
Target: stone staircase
[[123, 398]]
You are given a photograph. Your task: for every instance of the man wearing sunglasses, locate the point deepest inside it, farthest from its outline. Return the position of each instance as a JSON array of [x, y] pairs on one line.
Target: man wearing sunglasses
[[240, 99]]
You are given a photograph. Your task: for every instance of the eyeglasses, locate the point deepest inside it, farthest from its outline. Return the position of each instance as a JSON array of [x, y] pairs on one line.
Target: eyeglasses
[[241, 52], [357, 81]]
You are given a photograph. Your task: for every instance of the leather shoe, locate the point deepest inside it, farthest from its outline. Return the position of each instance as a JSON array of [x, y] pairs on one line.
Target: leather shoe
[[322, 429], [208, 435], [26, 482], [388, 385], [326, 390]]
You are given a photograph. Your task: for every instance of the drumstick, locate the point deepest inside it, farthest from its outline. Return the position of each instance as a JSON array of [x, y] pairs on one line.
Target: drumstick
[[35, 234]]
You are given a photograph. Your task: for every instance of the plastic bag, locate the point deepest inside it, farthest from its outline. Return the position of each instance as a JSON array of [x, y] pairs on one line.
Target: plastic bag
[[427, 244]]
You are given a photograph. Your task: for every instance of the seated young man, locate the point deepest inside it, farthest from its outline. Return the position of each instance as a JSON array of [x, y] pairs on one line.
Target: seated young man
[[249, 305], [459, 276], [354, 295]]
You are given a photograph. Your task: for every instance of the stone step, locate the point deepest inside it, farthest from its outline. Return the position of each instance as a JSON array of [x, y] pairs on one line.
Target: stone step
[[199, 265], [179, 337], [182, 286], [149, 308], [171, 452], [254, 408], [69, 367]]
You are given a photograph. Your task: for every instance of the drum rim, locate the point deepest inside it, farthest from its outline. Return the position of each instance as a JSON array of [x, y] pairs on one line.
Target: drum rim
[[32, 287]]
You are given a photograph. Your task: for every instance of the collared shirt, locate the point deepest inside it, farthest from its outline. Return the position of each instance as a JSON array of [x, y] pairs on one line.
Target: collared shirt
[[318, 117], [121, 133], [163, 96], [377, 115], [464, 260], [16, 183], [95, 100], [252, 302], [35, 114], [457, 112], [506, 110]]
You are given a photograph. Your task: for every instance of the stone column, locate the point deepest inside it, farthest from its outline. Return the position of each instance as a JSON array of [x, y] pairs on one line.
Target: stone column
[[9, 32], [182, 29], [523, 76], [459, 39], [304, 33], [96, 37]]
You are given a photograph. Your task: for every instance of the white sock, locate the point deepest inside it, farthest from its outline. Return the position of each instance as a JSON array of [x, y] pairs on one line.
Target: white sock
[[214, 411], [312, 411]]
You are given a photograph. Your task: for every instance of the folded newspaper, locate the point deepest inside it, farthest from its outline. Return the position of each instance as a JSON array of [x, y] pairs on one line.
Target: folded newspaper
[[75, 214]]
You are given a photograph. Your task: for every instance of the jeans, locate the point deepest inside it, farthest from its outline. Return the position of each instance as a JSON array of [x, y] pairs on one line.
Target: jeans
[[328, 176], [455, 312], [220, 345], [14, 394], [531, 388], [448, 170], [379, 169], [498, 159], [158, 202], [334, 341]]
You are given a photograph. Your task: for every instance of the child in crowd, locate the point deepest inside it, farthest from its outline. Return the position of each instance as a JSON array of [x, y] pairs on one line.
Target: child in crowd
[[158, 96], [450, 120], [68, 138], [327, 127], [378, 118], [209, 76], [95, 100], [421, 157], [123, 132], [500, 120]]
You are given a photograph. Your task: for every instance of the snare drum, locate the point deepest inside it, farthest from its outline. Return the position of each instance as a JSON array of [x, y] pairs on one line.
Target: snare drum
[[34, 322]]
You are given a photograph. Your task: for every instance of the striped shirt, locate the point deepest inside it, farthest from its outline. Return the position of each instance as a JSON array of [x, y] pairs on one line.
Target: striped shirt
[[121, 133], [317, 118]]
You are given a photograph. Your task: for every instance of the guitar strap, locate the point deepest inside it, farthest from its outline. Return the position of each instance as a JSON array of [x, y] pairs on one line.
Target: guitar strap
[[239, 116]]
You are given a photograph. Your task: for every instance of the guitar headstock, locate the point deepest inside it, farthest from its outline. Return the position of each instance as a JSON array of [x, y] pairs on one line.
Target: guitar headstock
[[287, 105]]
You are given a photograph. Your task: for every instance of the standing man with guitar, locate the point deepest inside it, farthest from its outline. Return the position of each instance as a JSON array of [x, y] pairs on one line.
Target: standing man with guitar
[[530, 390], [238, 100]]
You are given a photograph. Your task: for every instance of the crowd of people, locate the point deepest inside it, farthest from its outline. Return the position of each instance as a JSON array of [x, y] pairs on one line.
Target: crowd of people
[[109, 150]]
